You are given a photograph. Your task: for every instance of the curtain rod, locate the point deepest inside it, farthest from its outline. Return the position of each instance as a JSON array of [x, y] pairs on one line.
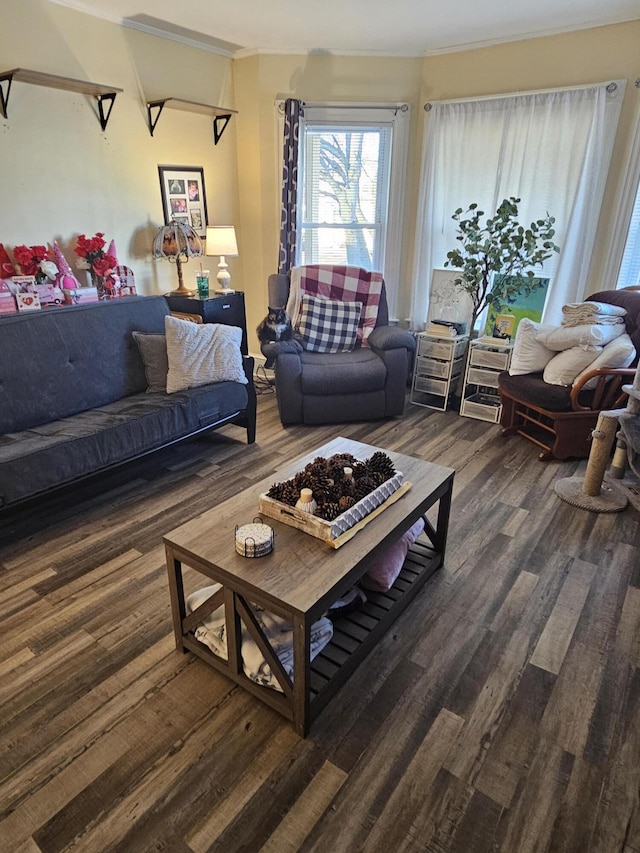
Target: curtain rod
[[403, 108], [611, 87]]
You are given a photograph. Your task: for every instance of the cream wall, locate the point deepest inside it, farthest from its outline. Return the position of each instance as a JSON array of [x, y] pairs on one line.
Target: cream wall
[[587, 56], [61, 175], [572, 59], [260, 81]]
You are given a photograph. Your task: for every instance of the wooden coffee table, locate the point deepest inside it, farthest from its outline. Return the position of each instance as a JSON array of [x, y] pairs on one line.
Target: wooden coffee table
[[302, 577]]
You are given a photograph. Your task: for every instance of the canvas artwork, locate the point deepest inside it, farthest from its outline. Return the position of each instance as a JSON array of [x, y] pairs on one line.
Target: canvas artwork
[[505, 324], [447, 301]]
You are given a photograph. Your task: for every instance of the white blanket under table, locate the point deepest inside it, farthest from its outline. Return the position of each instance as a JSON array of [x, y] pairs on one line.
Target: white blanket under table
[[279, 633]]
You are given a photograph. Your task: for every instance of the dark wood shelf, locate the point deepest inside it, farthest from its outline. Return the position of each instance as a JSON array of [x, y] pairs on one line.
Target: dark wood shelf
[[103, 94], [356, 633]]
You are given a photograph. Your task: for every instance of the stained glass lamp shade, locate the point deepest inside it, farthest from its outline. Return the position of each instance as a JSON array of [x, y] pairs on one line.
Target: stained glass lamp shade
[[177, 243]]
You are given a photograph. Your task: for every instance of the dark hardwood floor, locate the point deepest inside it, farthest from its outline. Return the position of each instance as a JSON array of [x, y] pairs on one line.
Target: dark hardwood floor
[[500, 713]]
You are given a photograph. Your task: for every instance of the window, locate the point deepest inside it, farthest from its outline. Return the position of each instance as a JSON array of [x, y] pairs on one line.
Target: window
[[352, 168], [550, 149], [630, 268]]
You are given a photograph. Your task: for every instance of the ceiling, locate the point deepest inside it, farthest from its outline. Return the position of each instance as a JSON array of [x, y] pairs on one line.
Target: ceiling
[[385, 27]]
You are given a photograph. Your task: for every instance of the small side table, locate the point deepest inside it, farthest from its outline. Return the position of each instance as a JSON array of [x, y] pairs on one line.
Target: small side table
[[225, 308]]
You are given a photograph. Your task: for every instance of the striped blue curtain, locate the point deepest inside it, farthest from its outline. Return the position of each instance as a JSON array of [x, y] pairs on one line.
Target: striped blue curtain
[[293, 109]]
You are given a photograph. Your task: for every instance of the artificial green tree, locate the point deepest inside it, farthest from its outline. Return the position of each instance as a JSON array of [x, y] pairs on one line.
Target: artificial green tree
[[496, 258]]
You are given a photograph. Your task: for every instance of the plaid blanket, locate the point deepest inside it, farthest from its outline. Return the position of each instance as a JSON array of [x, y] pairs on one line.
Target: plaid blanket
[[342, 283]]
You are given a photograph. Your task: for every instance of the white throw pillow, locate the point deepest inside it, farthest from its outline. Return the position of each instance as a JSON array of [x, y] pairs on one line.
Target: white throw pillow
[[565, 366], [619, 353], [529, 355], [565, 337], [200, 354]]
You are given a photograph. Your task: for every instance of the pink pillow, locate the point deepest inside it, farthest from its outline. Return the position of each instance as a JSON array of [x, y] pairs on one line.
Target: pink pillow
[[384, 571]]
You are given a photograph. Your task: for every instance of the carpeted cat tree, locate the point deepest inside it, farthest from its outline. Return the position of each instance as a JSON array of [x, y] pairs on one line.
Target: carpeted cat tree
[[588, 492]]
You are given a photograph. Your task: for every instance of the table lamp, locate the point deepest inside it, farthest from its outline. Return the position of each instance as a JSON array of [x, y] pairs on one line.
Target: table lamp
[[177, 243], [221, 242]]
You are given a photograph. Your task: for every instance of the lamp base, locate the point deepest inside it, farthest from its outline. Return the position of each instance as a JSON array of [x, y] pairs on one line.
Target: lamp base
[[182, 291], [224, 290]]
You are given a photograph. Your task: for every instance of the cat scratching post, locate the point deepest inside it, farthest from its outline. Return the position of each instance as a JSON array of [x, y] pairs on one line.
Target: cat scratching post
[[587, 493]]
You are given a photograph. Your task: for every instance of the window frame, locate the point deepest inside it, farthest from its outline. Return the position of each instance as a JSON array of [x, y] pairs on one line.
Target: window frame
[[375, 116], [629, 202]]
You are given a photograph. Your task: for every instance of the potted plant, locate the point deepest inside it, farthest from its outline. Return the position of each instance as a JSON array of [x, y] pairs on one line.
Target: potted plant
[[495, 258]]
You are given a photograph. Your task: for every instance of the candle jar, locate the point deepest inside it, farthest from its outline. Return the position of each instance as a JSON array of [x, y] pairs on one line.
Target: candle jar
[[306, 502]]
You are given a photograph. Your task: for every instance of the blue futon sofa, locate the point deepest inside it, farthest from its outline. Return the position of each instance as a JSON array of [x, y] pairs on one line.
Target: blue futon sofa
[[74, 401]]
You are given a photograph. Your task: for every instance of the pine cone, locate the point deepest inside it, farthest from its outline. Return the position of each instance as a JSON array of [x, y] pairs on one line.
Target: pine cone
[[328, 510], [275, 491], [380, 463], [321, 486], [360, 469], [363, 486], [346, 503], [290, 494], [318, 468]]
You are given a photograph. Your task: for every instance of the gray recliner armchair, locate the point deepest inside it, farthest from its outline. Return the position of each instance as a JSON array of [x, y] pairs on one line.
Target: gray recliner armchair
[[367, 383]]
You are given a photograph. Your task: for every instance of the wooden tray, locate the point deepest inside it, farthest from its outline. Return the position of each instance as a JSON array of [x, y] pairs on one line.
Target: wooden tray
[[333, 531]]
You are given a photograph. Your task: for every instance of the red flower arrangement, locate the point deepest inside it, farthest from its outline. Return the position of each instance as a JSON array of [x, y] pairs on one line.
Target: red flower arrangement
[[92, 256], [30, 259]]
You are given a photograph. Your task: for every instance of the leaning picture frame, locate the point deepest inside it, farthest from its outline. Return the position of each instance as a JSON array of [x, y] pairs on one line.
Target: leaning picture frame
[[184, 197]]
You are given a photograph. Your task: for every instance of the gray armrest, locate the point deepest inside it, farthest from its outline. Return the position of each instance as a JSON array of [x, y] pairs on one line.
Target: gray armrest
[[272, 349], [391, 337]]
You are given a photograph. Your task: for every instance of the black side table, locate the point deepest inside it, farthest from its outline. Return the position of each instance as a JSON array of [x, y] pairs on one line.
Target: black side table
[[226, 308]]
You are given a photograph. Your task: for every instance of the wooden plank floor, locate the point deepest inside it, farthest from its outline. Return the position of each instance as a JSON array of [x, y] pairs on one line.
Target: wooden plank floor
[[500, 713]]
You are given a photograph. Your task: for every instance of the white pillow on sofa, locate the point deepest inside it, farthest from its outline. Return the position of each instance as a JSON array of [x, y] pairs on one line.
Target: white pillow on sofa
[[565, 337], [529, 355], [202, 353], [565, 366], [618, 353]]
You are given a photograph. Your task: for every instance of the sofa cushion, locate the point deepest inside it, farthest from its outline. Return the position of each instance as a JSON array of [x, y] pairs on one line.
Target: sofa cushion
[[36, 460], [153, 350], [202, 354], [531, 388], [340, 373], [77, 357], [327, 325]]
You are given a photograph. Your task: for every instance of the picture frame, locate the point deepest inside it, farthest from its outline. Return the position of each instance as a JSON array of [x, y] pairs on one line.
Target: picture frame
[[184, 196], [447, 301], [518, 307]]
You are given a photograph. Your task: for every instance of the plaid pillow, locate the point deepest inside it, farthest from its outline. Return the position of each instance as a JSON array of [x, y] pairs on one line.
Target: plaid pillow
[[327, 325]]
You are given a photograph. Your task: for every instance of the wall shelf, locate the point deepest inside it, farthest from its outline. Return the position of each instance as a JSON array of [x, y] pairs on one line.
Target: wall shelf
[[221, 116], [105, 95]]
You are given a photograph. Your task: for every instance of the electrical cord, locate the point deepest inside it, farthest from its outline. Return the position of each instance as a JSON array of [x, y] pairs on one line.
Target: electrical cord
[[262, 382]]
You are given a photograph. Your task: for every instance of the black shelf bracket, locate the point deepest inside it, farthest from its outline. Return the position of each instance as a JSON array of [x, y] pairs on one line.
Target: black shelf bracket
[[6, 79], [102, 116], [53, 81], [153, 120], [219, 125], [221, 116]]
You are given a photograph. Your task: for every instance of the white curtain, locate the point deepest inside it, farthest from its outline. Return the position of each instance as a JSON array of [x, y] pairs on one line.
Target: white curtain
[[550, 149]]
